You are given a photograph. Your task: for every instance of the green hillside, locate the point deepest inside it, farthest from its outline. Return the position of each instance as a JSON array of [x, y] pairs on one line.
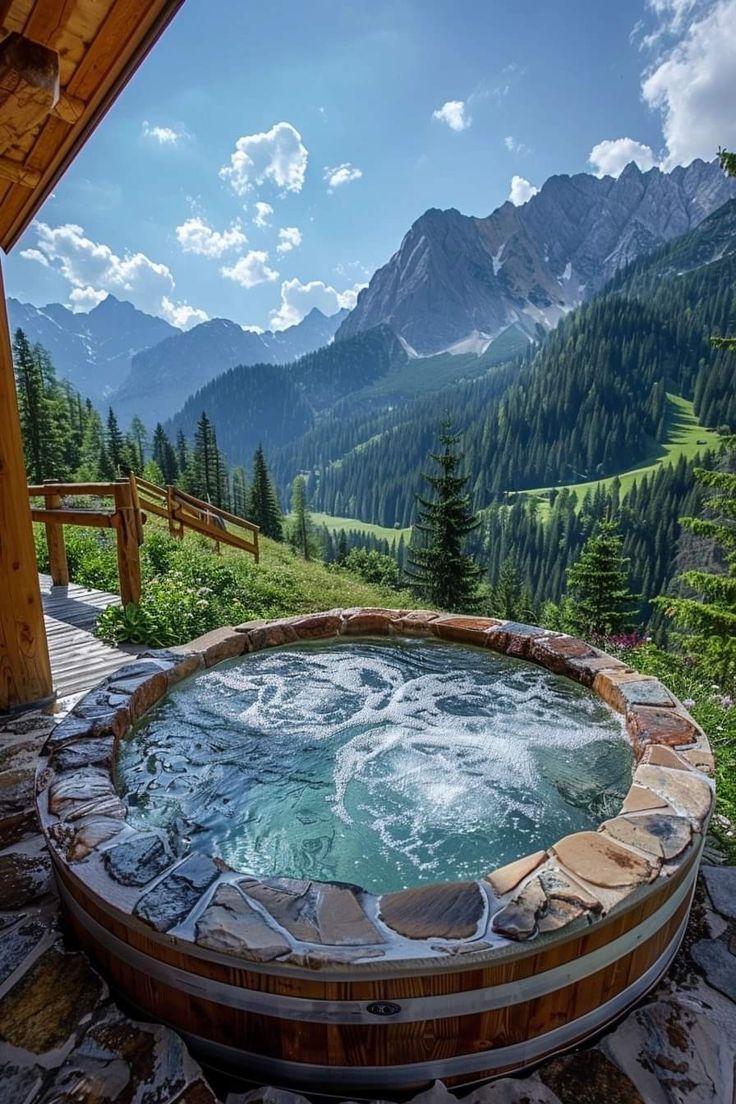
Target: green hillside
[[381, 532], [685, 439]]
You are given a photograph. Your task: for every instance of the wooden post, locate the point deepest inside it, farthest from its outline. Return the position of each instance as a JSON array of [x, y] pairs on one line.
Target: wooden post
[[25, 669], [129, 560], [58, 566]]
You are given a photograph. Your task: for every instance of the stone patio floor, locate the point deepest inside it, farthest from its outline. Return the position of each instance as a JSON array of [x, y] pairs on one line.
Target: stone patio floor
[[63, 1039]]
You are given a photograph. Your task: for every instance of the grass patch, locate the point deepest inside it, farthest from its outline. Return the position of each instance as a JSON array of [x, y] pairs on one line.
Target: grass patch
[[685, 438], [382, 532], [188, 589]]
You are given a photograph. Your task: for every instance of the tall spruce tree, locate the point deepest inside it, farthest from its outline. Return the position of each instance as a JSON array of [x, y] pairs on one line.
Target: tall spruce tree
[[598, 584], [301, 522], [32, 408], [506, 596], [116, 446], [263, 504], [203, 459], [239, 492], [139, 443], [164, 455], [438, 567], [708, 616]]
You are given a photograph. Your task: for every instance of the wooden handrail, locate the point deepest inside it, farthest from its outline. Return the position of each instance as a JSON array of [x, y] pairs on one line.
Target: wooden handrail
[[132, 497], [100, 490], [218, 511]]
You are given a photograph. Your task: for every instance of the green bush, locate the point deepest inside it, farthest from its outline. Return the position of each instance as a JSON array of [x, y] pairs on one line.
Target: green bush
[[372, 567]]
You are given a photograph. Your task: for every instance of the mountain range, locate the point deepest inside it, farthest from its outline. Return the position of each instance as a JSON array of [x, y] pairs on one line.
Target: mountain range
[[457, 281], [163, 377], [138, 363], [461, 295]]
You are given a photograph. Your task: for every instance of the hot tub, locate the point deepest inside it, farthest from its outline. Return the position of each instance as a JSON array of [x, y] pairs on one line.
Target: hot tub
[[399, 918]]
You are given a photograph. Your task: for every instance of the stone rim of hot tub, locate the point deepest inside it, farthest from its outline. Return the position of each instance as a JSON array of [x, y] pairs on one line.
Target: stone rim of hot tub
[[284, 925]]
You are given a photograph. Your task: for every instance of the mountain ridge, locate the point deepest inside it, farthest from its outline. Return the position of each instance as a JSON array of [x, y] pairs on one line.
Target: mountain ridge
[[97, 351], [456, 278]]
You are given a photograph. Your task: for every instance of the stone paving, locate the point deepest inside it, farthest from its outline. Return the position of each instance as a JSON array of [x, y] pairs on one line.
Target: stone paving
[[63, 1039]]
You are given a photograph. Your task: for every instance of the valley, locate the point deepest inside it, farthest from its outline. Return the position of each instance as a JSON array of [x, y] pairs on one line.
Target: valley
[[572, 354]]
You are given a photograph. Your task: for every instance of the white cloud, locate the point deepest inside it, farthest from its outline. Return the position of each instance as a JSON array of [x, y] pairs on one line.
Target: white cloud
[[298, 299], [693, 81], [263, 210], [85, 298], [195, 236], [454, 113], [341, 174], [35, 255], [277, 156], [250, 270], [181, 314], [514, 146], [93, 270], [164, 136], [521, 191], [289, 238], [610, 157]]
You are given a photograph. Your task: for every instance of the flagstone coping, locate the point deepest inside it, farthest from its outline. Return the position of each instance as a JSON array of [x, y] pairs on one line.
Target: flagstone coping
[[200, 899]]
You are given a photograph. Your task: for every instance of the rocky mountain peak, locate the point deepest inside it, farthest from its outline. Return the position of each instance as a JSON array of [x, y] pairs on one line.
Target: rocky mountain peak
[[454, 275]]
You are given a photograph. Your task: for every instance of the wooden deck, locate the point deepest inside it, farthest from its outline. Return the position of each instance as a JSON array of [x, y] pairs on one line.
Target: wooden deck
[[78, 659]]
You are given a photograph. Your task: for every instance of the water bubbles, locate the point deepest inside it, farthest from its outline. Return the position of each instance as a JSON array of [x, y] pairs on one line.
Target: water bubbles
[[407, 761]]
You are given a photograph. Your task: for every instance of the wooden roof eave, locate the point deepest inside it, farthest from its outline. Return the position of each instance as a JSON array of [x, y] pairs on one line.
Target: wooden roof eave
[[129, 30]]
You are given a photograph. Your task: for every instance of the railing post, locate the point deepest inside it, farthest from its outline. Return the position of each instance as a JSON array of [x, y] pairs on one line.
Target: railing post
[[129, 560], [58, 565]]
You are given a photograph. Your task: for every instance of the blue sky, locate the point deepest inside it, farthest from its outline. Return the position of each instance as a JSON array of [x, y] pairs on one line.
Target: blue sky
[[268, 157]]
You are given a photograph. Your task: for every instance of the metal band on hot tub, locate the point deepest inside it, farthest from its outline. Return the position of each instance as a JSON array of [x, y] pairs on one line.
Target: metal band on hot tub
[[414, 1009], [481, 1062]]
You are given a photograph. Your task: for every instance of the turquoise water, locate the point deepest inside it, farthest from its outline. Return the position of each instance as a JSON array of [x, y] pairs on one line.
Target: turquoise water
[[384, 763]]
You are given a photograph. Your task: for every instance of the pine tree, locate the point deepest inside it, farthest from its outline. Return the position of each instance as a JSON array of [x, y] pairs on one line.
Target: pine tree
[[164, 455], [301, 521], [709, 617], [203, 459], [115, 446], [30, 384], [438, 567], [239, 492], [506, 595], [598, 585], [139, 443], [220, 495], [342, 549], [183, 456], [263, 504]]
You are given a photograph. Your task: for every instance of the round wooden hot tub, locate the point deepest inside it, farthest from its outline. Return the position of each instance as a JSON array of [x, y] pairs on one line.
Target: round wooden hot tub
[[327, 987]]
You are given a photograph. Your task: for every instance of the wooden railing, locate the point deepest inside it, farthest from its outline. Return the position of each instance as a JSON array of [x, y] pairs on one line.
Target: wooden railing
[[133, 499], [184, 511], [125, 518]]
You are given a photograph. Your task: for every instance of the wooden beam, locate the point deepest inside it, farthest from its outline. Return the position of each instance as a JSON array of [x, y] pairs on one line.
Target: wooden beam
[[25, 671], [69, 108], [18, 173], [29, 86]]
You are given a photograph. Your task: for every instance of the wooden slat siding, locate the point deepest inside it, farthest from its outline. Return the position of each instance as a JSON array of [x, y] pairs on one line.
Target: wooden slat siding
[[430, 980], [78, 659], [385, 1043]]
